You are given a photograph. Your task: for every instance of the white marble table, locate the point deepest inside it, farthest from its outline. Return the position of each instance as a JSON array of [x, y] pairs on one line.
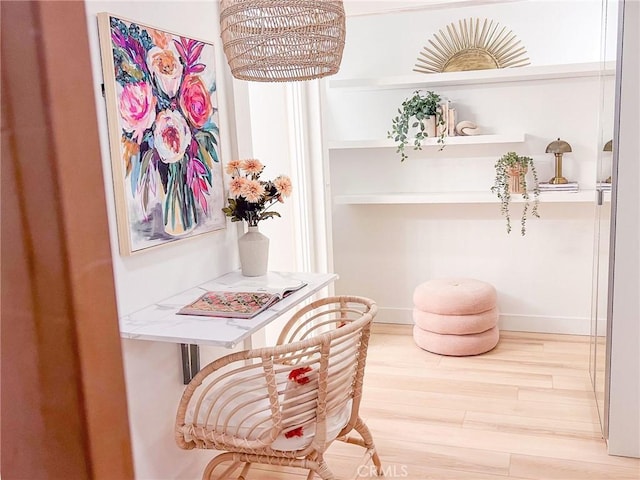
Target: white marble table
[[161, 323]]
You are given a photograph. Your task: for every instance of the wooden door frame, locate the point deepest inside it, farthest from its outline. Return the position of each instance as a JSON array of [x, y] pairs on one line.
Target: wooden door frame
[[64, 410]]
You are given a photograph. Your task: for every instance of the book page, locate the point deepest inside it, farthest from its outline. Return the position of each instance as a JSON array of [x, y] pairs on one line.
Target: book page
[[272, 282]]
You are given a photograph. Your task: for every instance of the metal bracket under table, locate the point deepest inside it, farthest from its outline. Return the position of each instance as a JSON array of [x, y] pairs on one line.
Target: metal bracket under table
[[190, 354]]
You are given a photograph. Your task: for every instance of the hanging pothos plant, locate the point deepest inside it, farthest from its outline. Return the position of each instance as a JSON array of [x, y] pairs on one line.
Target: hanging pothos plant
[[511, 178], [413, 113]]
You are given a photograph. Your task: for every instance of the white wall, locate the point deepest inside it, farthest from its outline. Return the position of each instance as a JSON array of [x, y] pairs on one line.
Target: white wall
[[152, 369], [547, 28], [543, 279]]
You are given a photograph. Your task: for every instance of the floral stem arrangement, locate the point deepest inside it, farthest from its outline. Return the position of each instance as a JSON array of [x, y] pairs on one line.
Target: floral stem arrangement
[[511, 178], [414, 113], [252, 197]]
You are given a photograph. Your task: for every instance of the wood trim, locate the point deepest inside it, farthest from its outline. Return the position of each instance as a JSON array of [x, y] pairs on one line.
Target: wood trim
[[64, 412]]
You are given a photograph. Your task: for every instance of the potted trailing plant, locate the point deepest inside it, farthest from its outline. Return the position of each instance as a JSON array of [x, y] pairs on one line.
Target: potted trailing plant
[[511, 170], [418, 112]]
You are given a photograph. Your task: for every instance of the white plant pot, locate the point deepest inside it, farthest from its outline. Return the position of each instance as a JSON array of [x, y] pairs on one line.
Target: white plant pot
[[254, 253], [429, 128]]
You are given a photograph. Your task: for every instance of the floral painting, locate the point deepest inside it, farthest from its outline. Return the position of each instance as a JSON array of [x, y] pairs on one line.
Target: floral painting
[[164, 134]]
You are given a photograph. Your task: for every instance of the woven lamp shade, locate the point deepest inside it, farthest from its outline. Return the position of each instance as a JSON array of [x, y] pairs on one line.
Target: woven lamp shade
[[282, 40]]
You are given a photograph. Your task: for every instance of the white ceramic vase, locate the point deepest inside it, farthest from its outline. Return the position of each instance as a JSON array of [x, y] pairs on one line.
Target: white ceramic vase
[[254, 253]]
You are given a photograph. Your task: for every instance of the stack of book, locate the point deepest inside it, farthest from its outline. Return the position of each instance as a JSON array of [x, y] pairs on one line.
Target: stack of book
[[558, 187], [605, 186], [449, 119]]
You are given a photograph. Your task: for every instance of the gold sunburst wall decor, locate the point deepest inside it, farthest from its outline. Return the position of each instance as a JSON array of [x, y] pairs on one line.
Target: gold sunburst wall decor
[[471, 45]]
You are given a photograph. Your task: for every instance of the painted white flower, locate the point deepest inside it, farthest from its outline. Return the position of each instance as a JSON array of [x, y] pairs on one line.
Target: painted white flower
[[166, 69], [172, 136]]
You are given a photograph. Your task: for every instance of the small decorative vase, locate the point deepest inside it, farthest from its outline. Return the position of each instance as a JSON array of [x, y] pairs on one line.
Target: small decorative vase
[[254, 253], [515, 180]]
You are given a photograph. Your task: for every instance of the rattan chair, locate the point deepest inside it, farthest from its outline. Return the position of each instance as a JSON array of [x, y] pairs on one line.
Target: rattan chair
[[284, 405]]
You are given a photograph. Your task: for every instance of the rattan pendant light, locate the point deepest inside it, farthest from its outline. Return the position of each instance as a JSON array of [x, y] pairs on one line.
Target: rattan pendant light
[[282, 40]]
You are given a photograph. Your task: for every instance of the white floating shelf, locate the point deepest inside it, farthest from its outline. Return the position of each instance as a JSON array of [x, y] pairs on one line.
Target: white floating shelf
[[583, 196], [519, 74], [432, 141]]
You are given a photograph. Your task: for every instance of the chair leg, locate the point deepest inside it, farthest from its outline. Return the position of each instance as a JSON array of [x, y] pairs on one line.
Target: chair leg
[[365, 433], [245, 470], [322, 470], [217, 460]]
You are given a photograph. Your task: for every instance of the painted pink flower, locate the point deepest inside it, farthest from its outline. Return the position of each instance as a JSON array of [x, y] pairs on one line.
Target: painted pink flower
[[172, 136], [195, 179], [195, 101], [236, 185], [137, 108], [252, 166], [166, 69], [233, 166], [283, 185], [253, 191]]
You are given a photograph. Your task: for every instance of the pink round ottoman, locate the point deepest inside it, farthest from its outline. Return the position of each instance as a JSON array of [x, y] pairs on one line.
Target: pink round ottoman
[[456, 345], [456, 324], [454, 296], [455, 316]]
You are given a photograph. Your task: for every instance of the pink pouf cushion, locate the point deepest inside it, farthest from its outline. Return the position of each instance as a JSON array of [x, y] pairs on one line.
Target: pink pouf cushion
[[456, 345], [454, 296], [456, 324]]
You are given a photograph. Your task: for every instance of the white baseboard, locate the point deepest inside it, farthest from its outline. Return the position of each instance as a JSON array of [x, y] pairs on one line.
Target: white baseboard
[[509, 321]]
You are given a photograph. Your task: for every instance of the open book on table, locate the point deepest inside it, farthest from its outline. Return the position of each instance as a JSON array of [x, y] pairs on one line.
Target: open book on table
[[243, 299]]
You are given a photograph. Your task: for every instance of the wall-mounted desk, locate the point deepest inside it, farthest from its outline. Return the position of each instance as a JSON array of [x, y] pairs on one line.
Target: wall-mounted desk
[[161, 323]]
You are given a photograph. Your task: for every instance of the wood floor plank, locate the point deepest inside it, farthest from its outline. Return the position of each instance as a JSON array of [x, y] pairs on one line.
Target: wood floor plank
[[528, 466], [403, 382], [378, 408], [524, 365], [556, 395], [487, 403], [399, 452], [462, 370], [586, 450], [529, 336], [573, 382], [532, 426]]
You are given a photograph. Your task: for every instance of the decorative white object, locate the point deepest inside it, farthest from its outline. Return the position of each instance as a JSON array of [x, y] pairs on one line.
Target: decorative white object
[[467, 128], [254, 253]]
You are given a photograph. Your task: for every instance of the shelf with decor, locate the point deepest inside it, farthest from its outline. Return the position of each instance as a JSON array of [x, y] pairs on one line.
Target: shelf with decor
[[433, 141], [473, 77], [582, 196]]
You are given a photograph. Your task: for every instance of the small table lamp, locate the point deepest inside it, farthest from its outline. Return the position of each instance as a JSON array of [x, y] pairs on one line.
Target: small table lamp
[[558, 147], [608, 147]]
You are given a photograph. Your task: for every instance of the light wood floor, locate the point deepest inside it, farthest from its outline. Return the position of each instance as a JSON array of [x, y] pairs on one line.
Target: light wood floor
[[524, 410]]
